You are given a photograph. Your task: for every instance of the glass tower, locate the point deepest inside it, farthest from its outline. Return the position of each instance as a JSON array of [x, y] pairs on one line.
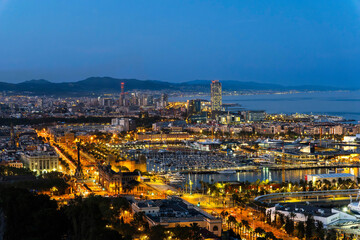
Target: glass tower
[[216, 95]]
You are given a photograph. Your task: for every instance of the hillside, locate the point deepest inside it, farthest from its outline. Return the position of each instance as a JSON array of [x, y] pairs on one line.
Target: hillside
[[108, 85]]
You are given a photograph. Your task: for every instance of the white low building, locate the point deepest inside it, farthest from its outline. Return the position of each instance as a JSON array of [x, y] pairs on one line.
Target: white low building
[[326, 216], [206, 145], [40, 161], [351, 139], [330, 177]]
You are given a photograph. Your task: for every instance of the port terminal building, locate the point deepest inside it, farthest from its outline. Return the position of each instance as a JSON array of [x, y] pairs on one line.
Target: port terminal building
[[325, 215], [330, 177]]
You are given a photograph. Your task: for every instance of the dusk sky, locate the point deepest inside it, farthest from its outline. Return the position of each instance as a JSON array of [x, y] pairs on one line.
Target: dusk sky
[[286, 42]]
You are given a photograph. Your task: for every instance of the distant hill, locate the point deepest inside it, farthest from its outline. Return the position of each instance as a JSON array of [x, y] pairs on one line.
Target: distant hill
[[108, 85]]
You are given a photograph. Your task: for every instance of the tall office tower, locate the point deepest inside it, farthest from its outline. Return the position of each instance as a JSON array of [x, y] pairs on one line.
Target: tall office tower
[[216, 96], [121, 100], [164, 100], [12, 136], [194, 106]]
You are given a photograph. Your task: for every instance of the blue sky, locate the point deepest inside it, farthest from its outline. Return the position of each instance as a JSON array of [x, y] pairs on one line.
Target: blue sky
[[286, 42]]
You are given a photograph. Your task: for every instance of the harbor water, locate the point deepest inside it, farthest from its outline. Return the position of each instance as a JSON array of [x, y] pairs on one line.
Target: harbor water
[[263, 175]]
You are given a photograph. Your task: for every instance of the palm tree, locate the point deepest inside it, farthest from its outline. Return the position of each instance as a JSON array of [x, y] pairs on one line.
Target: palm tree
[[234, 198], [300, 230], [224, 214], [240, 226], [259, 231], [281, 219], [292, 216], [202, 184], [231, 219], [269, 235], [195, 229], [245, 224], [131, 185], [157, 232]]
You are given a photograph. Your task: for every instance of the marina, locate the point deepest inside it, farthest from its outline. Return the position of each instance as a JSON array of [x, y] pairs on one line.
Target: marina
[[178, 161]]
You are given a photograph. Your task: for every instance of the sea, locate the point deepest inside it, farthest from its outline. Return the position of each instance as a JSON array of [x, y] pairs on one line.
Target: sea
[[336, 103]]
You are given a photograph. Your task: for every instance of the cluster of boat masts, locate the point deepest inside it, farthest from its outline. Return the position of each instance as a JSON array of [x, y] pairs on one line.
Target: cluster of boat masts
[[167, 162], [194, 161]]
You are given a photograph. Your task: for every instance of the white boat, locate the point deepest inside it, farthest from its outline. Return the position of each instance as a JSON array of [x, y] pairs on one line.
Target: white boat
[[354, 207], [175, 178], [227, 172], [176, 181]]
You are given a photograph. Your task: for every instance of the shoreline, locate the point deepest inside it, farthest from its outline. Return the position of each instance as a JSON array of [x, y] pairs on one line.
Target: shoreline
[[343, 103], [234, 93]]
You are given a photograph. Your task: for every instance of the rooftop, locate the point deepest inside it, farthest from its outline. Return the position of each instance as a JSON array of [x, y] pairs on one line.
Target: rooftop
[[331, 175], [305, 209], [172, 210]]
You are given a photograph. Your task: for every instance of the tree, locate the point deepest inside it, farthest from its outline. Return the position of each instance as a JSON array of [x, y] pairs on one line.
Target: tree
[[259, 231], [92, 217], [281, 219], [310, 227], [320, 232], [240, 226], [138, 219], [231, 220], [300, 230], [38, 216], [331, 234], [234, 198], [86, 218], [157, 232], [292, 216], [245, 224], [182, 232], [109, 234], [269, 236], [289, 225], [131, 185], [195, 231], [268, 216], [224, 214]]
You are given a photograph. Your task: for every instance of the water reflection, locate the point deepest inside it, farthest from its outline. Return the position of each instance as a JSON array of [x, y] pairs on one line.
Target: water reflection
[[263, 175]]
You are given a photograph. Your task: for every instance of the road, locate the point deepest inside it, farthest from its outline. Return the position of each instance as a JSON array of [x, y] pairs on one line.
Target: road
[[252, 216], [304, 196]]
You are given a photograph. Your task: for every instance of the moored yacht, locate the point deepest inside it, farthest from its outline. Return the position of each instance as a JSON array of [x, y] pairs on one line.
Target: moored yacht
[[229, 171]]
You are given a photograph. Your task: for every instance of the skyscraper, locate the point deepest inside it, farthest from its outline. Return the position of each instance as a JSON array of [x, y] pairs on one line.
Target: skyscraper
[[194, 106], [216, 95], [121, 100]]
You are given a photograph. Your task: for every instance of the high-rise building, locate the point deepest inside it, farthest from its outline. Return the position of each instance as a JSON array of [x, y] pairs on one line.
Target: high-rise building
[[194, 106], [216, 95], [163, 100], [121, 100]]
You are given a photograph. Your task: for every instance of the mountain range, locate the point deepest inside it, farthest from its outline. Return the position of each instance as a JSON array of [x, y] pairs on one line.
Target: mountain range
[[109, 85]]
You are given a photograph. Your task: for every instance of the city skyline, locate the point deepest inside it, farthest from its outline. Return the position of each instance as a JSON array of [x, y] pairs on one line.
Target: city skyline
[[179, 120]]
